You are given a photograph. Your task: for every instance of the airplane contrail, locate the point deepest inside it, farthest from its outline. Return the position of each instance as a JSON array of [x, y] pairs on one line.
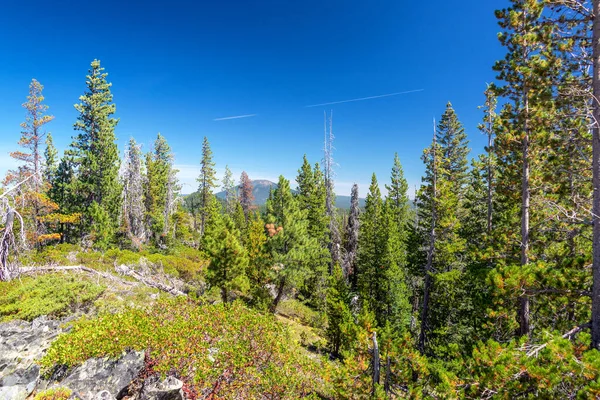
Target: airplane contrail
[[235, 117], [365, 98]]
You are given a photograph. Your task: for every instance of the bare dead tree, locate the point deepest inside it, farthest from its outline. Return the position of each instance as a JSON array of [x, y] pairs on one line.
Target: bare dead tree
[[596, 177], [351, 248], [8, 245], [334, 234], [376, 362]]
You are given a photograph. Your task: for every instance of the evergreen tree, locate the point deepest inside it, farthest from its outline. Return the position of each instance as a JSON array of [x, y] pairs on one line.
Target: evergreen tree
[[230, 191], [311, 195], [228, 258], [441, 213], [291, 248], [159, 187], [50, 160], [396, 220], [95, 153], [371, 249], [207, 202], [259, 262], [340, 321], [454, 150], [526, 72]]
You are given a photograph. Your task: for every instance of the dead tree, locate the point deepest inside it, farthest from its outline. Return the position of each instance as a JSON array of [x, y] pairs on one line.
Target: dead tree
[[596, 177], [8, 269], [334, 234], [376, 363]]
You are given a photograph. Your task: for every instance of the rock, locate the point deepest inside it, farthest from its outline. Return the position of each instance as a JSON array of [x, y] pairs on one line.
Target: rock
[[104, 395], [169, 388], [21, 344], [99, 375]]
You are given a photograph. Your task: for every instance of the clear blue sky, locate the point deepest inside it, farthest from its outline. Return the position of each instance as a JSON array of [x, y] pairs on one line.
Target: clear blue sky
[[176, 66]]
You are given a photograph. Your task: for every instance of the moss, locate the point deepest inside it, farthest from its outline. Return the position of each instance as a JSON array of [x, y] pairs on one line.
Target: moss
[[54, 295]]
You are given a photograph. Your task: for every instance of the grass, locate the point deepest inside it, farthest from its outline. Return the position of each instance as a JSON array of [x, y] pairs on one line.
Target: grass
[[55, 295], [224, 349]]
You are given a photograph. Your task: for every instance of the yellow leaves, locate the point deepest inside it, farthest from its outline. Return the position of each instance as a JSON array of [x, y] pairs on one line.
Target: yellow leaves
[[48, 237]]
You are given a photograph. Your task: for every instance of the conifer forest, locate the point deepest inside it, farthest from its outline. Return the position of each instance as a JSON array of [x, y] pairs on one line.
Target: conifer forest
[[484, 283]]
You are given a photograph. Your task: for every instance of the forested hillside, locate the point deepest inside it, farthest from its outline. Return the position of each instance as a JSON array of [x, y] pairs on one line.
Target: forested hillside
[[485, 285]]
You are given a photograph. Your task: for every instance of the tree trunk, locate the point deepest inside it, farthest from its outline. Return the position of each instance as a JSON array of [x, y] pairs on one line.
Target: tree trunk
[[596, 178], [224, 295], [489, 179], [6, 242], [525, 200], [277, 298], [376, 362]]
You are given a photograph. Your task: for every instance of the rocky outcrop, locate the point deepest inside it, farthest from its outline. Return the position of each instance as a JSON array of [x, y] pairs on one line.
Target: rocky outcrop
[[169, 388], [101, 376], [21, 344]]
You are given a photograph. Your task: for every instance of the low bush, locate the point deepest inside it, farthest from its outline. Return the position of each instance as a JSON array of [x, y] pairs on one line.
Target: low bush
[[54, 295], [54, 394], [225, 349]]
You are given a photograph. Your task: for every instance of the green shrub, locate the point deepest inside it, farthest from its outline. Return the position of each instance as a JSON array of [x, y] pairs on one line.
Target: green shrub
[[54, 295], [299, 311], [54, 394], [228, 348]]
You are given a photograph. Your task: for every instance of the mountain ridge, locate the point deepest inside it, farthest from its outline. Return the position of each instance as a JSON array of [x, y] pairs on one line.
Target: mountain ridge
[[261, 188]]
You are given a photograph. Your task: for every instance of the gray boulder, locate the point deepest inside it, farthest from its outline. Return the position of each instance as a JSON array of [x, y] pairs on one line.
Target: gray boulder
[[169, 388], [99, 375], [21, 344], [104, 395]]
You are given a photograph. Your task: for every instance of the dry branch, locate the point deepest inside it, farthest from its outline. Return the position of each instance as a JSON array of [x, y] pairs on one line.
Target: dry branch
[[534, 351], [122, 269]]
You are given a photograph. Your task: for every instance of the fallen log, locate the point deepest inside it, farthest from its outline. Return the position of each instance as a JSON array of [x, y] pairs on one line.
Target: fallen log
[[122, 269]]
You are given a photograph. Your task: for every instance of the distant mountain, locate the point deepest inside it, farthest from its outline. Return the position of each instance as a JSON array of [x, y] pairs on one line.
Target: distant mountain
[[263, 186], [260, 191]]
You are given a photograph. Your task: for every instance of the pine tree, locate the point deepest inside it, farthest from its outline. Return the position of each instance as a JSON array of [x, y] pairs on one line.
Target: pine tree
[[453, 145], [228, 258], [63, 193], [371, 248], [50, 160], [95, 153], [340, 321], [291, 248], [246, 194], [396, 214], [311, 195], [230, 191], [206, 180], [526, 71], [441, 214], [134, 211], [159, 187], [259, 262]]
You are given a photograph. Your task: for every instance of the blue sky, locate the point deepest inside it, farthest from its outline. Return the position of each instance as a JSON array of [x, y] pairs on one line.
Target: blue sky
[[177, 66]]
